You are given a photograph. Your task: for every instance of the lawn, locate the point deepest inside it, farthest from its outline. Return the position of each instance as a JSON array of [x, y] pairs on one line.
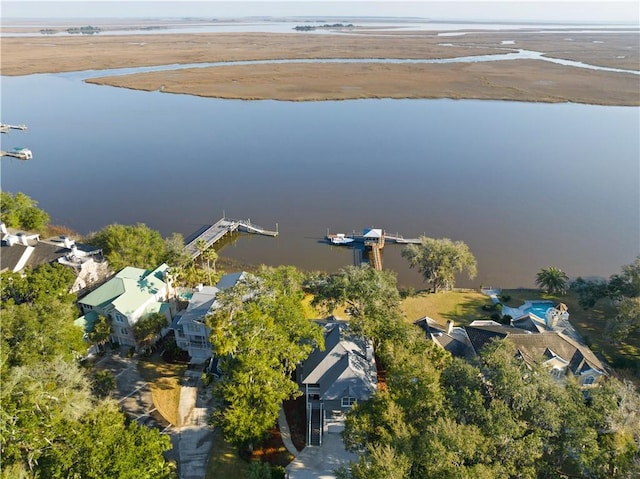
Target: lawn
[[164, 381], [462, 306]]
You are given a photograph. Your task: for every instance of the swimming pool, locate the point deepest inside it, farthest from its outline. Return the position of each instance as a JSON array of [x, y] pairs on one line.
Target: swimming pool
[[539, 308]]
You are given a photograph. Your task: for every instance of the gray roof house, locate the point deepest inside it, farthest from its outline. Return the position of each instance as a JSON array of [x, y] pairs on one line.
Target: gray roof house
[[335, 378], [192, 334], [559, 351]]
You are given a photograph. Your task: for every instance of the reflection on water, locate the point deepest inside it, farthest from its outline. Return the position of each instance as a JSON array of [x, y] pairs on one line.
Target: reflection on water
[[524, 185]]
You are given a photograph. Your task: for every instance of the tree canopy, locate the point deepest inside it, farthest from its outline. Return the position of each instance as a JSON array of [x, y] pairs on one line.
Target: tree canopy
[[261, 333], [438, 260], [147, 329], [492, 418], [20, 211], [127, 245]]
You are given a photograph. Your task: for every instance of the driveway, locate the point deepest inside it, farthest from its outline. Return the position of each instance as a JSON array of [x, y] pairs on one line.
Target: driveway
[[319, 462]]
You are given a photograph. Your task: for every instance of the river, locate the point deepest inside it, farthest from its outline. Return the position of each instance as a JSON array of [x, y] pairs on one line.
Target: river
[[524, 185]]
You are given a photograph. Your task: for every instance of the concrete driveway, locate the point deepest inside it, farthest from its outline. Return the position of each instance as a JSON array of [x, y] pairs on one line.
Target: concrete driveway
[[319, 462]]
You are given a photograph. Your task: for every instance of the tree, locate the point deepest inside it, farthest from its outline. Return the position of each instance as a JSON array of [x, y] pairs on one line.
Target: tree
[[553, 280], [33, 333], [146, 330], [210, 256], [40, 285], [438, 260], [101, 331], [369, 296], [20, 211], [176, 253], [627, 321], [103, 383], [262, 334], [37, 403], [104, 444], [137, 246]]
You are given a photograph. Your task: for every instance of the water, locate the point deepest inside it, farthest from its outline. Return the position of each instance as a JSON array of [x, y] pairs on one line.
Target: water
[[540, 309], [525, 185]]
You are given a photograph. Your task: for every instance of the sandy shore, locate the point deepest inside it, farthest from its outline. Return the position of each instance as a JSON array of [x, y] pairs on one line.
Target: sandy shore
[[526, 80]]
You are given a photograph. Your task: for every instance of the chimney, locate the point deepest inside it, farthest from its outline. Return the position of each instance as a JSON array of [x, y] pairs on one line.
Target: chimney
[[369, 352], [3, 229], [68, 242], [23, 239], [11, 240], [449, 326]]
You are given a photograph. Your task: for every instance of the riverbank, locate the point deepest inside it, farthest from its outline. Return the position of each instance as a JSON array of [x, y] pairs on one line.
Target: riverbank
[[522, 80]]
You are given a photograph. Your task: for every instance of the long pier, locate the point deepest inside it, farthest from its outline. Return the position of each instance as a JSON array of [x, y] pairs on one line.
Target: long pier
[[218, 230]]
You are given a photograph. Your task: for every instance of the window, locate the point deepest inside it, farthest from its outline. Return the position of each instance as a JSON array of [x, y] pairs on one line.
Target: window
[[348, 401], [193, 327], [589, 381], [124, 331], [557, 373]]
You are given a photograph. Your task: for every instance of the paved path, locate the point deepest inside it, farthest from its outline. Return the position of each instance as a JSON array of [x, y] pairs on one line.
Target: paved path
[[194, 436], [285, 433], [320, 462]]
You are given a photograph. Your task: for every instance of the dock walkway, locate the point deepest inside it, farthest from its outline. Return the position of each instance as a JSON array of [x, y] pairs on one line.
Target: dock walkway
[[218, 230]]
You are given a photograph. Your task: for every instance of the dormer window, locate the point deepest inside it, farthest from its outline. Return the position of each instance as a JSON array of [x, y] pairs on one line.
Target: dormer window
[[348, 401]]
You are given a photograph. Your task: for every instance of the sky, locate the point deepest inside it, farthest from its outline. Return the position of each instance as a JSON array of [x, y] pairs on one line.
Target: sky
[[514, 10]]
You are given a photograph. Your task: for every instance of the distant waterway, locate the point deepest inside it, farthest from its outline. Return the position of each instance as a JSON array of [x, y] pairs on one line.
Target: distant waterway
[[509, 55], [525, 185]]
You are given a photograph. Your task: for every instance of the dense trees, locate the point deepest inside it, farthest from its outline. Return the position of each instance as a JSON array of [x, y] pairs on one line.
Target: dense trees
[[20, 211], [438, 260], [623, 291], [261, 333], [126, 245], [492, 418], [51, 424], [553, 280]]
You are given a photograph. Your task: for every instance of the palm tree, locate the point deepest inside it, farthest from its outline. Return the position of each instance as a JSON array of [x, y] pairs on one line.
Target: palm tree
[[101, 332], [553, 280], [210, 256]]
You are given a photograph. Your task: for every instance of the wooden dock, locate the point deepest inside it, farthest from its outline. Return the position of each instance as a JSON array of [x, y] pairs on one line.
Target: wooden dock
[[4, 128], [370, 244], [222, 227]]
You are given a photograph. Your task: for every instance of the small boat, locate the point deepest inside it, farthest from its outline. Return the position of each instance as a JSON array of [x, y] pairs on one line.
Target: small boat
[[21, 153], [340, 239]]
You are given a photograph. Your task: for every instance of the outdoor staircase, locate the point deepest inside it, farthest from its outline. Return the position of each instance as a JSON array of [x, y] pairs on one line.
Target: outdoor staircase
[[316, 427]]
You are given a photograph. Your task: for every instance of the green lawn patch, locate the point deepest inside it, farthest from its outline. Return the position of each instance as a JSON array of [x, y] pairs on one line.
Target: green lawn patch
[[164, 381], [461, 306]]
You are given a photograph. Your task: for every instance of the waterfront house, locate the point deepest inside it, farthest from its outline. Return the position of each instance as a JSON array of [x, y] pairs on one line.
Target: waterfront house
[[20, 250], [129, 296], [562, 353], [335, 378], [192, 334]]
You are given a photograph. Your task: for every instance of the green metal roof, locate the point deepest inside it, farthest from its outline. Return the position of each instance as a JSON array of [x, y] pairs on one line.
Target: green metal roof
[[87, 321], [128, 290]]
